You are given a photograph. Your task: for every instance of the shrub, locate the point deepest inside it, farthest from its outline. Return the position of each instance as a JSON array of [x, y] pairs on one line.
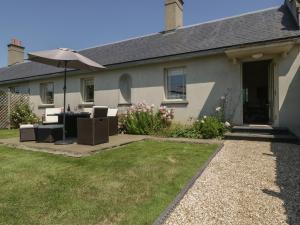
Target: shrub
[[142, 119], [210, 127], [207, 128], [23, 114], [184, 131]]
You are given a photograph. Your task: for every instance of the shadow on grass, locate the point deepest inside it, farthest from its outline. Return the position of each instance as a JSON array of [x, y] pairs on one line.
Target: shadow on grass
[[288, 179]]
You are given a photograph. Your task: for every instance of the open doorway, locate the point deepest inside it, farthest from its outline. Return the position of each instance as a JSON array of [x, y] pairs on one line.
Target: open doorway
[[257, 85]]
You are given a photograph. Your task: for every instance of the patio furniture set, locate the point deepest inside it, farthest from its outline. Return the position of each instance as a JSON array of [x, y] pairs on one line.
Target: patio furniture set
[[93, 126]]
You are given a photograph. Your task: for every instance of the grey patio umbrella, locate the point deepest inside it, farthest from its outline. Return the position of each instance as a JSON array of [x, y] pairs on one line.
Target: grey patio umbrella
[[65, 58]]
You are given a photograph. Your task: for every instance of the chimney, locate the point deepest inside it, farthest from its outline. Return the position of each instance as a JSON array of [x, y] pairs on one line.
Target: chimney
[[15, 52], [173, 14], [294, 6]]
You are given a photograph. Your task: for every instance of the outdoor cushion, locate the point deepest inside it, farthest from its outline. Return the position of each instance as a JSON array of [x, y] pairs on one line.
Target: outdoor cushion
[[24, 126], [112, 112], [49, 117]]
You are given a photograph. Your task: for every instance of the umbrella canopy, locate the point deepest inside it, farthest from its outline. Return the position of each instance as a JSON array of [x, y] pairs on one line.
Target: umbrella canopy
[[66, 58], [63, 56]]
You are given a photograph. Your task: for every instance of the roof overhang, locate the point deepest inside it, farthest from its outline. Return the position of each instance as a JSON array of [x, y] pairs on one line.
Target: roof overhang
[[260, 52]]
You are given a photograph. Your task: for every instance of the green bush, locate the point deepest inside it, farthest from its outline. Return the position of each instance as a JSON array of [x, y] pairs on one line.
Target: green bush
[[142, 119], [210, 127], [184, 131], [207, 128], [23, 114]]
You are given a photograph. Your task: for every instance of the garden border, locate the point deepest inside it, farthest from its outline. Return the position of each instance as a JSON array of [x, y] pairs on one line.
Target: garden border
[[167, 212]]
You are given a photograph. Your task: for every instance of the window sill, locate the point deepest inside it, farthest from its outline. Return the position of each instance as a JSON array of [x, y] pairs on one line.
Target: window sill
[[86, 105], [44, 106], [175, 102]]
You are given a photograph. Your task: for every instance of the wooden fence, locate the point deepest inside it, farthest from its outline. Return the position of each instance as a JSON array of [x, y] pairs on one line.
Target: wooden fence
[[8, 101]]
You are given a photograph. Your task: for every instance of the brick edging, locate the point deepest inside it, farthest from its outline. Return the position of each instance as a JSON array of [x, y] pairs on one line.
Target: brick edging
[[165, 214]]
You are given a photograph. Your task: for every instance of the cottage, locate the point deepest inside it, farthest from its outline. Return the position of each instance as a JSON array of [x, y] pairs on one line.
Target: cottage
[[251, 59]]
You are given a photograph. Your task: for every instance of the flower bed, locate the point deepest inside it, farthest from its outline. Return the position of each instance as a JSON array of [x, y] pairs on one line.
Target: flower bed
[[143, 119]]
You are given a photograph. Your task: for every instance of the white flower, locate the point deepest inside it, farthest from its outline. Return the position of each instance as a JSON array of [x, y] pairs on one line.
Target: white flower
[[223, 98], [204, 117], [202, 121], [227, 124], [218, 109]]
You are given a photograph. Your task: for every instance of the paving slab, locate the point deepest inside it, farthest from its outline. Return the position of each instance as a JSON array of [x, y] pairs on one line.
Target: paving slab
[[74, 150]]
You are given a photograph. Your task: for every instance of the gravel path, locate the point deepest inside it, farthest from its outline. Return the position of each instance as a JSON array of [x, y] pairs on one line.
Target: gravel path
[[246, 183]]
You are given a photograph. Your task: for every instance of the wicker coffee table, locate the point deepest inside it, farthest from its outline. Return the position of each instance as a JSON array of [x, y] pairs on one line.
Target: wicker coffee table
[[49, 133]]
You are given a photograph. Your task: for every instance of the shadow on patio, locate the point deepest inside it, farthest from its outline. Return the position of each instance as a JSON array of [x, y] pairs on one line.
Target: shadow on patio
[[288, 179]]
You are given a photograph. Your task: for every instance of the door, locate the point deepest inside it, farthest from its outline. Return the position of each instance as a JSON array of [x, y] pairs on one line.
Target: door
[[257, 98], [271, 92]]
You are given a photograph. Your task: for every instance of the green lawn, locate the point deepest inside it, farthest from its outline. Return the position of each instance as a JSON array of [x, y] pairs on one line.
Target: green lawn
[[129, 185], [5, 133]]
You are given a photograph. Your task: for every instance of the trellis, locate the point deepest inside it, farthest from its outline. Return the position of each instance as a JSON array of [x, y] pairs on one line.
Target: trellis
[[8, 101]]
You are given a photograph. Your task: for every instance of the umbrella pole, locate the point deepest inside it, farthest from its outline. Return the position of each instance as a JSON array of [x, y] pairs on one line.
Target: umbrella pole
[[64, 141], [65, 91]]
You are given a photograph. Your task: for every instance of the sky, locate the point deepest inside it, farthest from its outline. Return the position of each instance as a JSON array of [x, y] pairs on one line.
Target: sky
[[79, 24]]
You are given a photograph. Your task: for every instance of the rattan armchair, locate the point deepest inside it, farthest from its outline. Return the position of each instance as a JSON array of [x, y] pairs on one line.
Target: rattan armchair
[[92, 131], [111, 114]]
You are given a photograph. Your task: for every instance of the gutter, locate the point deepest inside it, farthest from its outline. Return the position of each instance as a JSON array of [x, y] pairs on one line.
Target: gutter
[[160, 59]]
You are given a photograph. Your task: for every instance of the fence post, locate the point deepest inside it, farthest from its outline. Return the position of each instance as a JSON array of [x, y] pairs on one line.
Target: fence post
[[8, 109]]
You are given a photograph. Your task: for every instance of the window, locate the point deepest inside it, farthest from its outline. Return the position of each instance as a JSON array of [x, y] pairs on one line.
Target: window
[[87, 91], [125, 89], [20, 90], [47, 93], [175, 83]]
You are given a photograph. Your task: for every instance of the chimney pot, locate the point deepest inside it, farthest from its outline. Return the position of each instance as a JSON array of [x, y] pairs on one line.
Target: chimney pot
[[15, 52]]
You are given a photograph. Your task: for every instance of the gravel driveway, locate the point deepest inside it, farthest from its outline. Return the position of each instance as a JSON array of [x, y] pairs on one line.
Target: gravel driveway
[[246, 183]]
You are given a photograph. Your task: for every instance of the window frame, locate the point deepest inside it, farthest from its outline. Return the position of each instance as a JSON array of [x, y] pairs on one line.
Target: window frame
[[44, 86], [166, 85], [83, 90]]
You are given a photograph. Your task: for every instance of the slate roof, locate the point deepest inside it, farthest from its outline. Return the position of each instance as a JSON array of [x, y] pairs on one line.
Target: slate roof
[[267, 25]]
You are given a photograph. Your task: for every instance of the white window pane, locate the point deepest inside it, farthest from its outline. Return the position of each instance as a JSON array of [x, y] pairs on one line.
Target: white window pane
[[176, 71], [88, 90], [20, 90], [47, 93], [176, 84]]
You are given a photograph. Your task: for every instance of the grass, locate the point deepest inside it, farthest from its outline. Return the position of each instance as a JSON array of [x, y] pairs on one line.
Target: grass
[[129, 185], [6, 133]]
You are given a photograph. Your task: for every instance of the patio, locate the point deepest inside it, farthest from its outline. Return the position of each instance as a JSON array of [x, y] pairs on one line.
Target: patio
[[74, 150]]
